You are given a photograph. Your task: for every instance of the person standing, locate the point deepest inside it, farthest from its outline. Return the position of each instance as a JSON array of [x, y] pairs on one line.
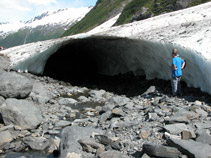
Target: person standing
[[177, 66]]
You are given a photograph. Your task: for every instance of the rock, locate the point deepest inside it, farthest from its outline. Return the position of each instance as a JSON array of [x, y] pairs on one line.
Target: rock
[[183, 116], [67, 101], [97, 94], [197, 103], [201, 112], [40, 93], [176, 128], [36, 143], [143, 14], [204, 138], [90, 146], [1, 100], [107, 141], [112, 154], [119, 100], [203, 125], [17, 112], [161, 151], [105, 116], [144, 134], [70, 137], [54, 145], [186, 135], [191, 148], [6, 137], [151, 117], [118, 112], [151, 89], [108, 107], [181, 4], [13, 85], [62, 123], [145, 156]]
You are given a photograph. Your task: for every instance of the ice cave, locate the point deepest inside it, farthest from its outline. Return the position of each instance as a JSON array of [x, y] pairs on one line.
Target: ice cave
[[84, 58]]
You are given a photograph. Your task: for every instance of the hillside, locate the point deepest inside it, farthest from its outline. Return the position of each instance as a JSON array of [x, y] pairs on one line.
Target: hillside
[[133, 10], [103, 11], [48, 25]]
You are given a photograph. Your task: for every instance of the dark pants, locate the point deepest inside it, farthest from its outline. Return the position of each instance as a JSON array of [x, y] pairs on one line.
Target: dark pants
[[176, 86]]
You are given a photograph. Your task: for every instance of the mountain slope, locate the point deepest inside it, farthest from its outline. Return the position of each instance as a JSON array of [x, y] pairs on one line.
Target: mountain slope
[[131, 10], [103, 11], [45, 26]]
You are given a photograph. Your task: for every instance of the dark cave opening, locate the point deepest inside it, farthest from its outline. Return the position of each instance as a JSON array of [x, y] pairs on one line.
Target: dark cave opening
[[78, 63], [81, 61]]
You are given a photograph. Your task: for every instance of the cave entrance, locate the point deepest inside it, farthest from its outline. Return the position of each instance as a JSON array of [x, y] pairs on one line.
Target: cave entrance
[[96, 63]]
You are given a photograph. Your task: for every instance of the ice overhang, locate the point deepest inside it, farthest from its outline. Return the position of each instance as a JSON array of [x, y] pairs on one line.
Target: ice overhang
[[116, 55]]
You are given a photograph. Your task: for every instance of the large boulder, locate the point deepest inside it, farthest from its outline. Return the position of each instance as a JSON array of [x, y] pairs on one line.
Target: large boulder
[[13, 85], [191, 148], [20, 112], [70, 137]]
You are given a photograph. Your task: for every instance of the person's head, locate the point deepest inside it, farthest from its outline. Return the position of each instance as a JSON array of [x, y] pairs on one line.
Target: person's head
[[174, 52]]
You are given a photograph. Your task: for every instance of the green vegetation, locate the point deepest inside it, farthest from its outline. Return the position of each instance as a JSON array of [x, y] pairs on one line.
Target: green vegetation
[[153, 7], [197, 2], [103, 9], [131, 9], [99, 14]]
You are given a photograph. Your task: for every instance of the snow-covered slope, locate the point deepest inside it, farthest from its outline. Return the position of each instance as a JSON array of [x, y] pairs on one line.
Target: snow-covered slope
[[141, 47], [62, 17]]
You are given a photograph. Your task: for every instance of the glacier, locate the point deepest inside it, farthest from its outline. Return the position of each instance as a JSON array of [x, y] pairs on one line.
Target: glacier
[[142, 47]]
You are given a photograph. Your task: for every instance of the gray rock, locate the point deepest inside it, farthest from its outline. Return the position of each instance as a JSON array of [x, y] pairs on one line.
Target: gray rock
[[145, 156], [204, 138], [105, 116], [67, 101], [36, 143], [62, 123], [118, 112], [1, 100], [90, 145], [119, 100], [161, 151], [151, 117], [203, 125], [70, 137], [201, 112], [102, 139], [191, 148], [112, 154], [13, 85], [40, 93], [197, 103], [98, 94], [6, 137], [151, 89], [176, 128], [182, 116], [108, 107], [21, 113]]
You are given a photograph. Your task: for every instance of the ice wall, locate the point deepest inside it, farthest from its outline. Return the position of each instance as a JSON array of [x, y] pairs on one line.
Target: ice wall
[[114, 55]]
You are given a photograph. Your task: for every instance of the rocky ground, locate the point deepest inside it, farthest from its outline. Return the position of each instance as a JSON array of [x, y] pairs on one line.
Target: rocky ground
[[44, 117]]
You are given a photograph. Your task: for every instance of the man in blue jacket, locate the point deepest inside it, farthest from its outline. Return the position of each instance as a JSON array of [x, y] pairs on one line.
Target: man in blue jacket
[[177, 66]]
